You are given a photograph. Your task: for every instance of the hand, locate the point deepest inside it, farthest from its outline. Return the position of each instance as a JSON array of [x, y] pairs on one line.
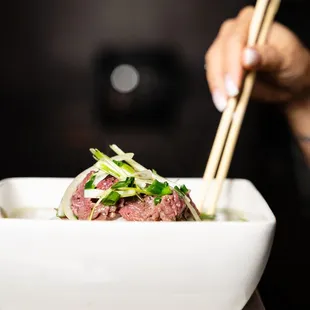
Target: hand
[[282, 64]]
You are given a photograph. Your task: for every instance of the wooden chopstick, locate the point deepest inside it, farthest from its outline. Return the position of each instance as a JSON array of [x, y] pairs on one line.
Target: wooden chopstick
[[225, 122], [258, 26], [269, 18], [240, 111], [216, 150]]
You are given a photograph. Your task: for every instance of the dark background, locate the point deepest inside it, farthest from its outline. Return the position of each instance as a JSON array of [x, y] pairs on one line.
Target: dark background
[[57, 102]]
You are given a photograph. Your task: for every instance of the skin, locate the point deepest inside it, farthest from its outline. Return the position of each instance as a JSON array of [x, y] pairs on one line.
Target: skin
[[282, 65]]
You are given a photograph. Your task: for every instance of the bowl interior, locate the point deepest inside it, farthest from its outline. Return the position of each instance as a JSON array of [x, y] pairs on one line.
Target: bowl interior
[[37, 198]]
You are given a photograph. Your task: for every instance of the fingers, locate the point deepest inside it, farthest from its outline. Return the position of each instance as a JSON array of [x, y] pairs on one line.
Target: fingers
[[270, 93], [214, 77], [223, 59], [251, 58], [233, 48], [263, 58], [215, 67], [283, 60]]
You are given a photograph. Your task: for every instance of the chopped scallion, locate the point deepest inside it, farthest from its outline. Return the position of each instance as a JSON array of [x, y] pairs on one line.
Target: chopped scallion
[[124, 166], [129, 182], [206, 217], [106, 164], [132, 162], [144, 175], [184, 189], [111, 199], [123, 157], [90, 183], [157, 200], [158, 188], [127, 192], [178, 190], [100, 175]]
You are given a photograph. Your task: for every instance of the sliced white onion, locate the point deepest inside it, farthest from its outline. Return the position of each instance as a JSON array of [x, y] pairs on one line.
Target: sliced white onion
[[192, 209], [60, 211], [145, 175], [130, 161], [122, 157], [127, 193], [141, 184], [99, 177], [93, 193], [65, 203]]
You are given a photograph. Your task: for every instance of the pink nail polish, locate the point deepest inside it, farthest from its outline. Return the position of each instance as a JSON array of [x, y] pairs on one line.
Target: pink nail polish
[[219, 100], [250, 57], [231, 88]]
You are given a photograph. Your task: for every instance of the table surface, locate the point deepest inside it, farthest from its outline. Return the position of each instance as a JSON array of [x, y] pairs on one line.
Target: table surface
[[255, 303]]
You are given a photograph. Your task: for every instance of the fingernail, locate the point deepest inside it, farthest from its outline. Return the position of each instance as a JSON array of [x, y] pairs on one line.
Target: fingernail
[[219, 100], [231, 88], [250, 57]]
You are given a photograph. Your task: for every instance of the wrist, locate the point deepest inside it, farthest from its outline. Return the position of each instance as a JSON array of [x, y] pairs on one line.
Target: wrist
[[298, 110], [298, 115], [305, 85]]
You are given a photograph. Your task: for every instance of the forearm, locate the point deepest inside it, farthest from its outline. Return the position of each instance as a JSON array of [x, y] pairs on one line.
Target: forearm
[[298, 112], [298, 115]]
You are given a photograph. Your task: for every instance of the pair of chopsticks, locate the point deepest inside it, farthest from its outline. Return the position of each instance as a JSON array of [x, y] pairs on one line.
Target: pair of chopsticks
[[232, 117]]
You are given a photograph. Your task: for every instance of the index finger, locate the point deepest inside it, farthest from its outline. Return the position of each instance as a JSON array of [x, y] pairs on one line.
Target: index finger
[[234, 50]]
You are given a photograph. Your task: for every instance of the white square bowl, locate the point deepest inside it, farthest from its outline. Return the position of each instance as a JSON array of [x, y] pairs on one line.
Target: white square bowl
[[46, 264]]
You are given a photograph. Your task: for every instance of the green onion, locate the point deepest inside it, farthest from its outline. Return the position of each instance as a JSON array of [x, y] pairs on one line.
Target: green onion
[[90, 183], [129, 182], [166, 191], [100, 175], [97, 154], [123, 157], [111, 199], [100, 165], [144, 175], [130, 161], [206, 217], [104, 195], [127, 192], [184, 189], [157, 200], [188, 203], [124, 166], [159, 178], [158, 188], [136, 165], [106, 164], [178, 190]]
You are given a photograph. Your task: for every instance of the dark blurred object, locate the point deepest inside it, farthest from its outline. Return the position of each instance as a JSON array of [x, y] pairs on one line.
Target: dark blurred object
[[140, 87]]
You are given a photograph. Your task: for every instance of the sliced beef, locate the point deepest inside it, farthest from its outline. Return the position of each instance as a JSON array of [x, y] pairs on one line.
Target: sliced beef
[[139, 210], [169, 209], [106, 183], [82, 207]]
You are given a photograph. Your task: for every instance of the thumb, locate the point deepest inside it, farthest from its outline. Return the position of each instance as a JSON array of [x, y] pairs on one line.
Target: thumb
[[262, 58]]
